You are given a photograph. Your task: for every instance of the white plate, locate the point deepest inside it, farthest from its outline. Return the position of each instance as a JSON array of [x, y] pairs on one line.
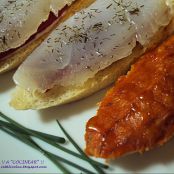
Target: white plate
[[73, 117]]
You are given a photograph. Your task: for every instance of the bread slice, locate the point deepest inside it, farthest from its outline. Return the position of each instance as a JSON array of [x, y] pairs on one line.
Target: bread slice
[[23, 99], [16, 58]]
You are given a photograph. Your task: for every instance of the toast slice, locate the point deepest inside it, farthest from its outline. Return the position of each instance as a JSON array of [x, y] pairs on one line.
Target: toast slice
[[23, 99]]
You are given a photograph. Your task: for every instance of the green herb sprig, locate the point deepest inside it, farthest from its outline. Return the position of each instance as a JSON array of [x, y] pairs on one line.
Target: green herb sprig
[[25, 135], [98, 169], [48, 136], [27, 140]]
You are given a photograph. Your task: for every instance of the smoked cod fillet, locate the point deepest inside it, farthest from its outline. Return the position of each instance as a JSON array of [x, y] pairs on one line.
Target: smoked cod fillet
[[137, 114]]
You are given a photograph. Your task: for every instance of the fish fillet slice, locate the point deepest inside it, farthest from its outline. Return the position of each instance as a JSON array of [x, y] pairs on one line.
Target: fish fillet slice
[[90, 41], [20, 19]]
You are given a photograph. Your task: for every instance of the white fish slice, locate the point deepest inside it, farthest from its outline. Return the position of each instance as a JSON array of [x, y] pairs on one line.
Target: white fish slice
[[20, 19], [77, 49]]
